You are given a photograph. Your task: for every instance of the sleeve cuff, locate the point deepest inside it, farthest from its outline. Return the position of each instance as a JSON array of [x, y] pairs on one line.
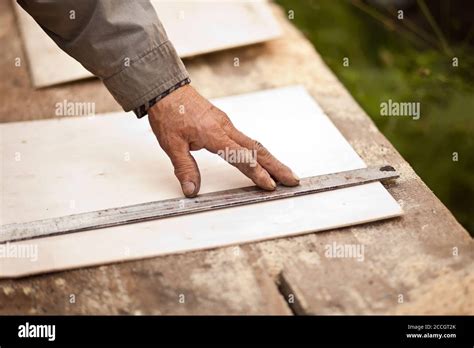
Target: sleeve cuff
[[147, 77], [143, 109]]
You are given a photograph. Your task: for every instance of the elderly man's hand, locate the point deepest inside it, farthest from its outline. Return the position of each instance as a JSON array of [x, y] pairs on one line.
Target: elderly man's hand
[[185, 121]]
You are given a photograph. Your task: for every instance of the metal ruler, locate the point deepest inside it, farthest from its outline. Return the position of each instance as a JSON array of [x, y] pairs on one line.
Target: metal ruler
[[181, 206]]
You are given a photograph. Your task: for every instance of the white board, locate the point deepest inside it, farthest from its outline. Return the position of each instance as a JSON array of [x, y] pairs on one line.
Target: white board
[[65, 166], [193, 26]]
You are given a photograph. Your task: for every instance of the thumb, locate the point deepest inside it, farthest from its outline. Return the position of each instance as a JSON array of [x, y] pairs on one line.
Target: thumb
[[186, 170]]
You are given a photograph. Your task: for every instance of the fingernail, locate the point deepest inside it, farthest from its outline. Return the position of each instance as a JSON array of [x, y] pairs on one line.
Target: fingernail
[[272, 182], [295, 176], [188, 188]]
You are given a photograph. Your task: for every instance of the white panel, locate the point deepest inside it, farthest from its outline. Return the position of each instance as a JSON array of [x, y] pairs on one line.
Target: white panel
[[75, 165], [194, 27]]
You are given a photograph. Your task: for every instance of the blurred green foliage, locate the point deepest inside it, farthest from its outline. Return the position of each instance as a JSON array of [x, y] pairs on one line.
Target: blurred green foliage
[[386, 63]]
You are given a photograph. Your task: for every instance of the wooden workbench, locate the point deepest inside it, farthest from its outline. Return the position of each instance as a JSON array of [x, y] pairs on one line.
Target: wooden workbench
[[420, 263]]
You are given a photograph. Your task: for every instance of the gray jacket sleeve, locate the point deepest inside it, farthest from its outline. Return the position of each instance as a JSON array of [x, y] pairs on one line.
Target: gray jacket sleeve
[[120, 41]]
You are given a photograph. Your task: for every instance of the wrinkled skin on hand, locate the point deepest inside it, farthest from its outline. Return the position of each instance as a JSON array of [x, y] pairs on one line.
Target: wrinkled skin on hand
[[185, 121]]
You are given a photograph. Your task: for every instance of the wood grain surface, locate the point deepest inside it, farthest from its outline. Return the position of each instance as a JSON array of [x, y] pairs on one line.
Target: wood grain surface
[[414, 256]]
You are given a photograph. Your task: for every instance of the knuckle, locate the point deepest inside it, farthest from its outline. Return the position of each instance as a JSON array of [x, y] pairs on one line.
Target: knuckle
[[225, 121], [257, 145], [182, 169], [262, 150], [168, 144], [256, 172]]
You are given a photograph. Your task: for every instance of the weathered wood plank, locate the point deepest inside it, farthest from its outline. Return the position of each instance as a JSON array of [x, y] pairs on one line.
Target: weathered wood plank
[[410, 256], [220, 281]]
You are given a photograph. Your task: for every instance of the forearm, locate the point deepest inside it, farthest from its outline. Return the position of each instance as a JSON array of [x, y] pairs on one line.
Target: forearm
[[120, 41]]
